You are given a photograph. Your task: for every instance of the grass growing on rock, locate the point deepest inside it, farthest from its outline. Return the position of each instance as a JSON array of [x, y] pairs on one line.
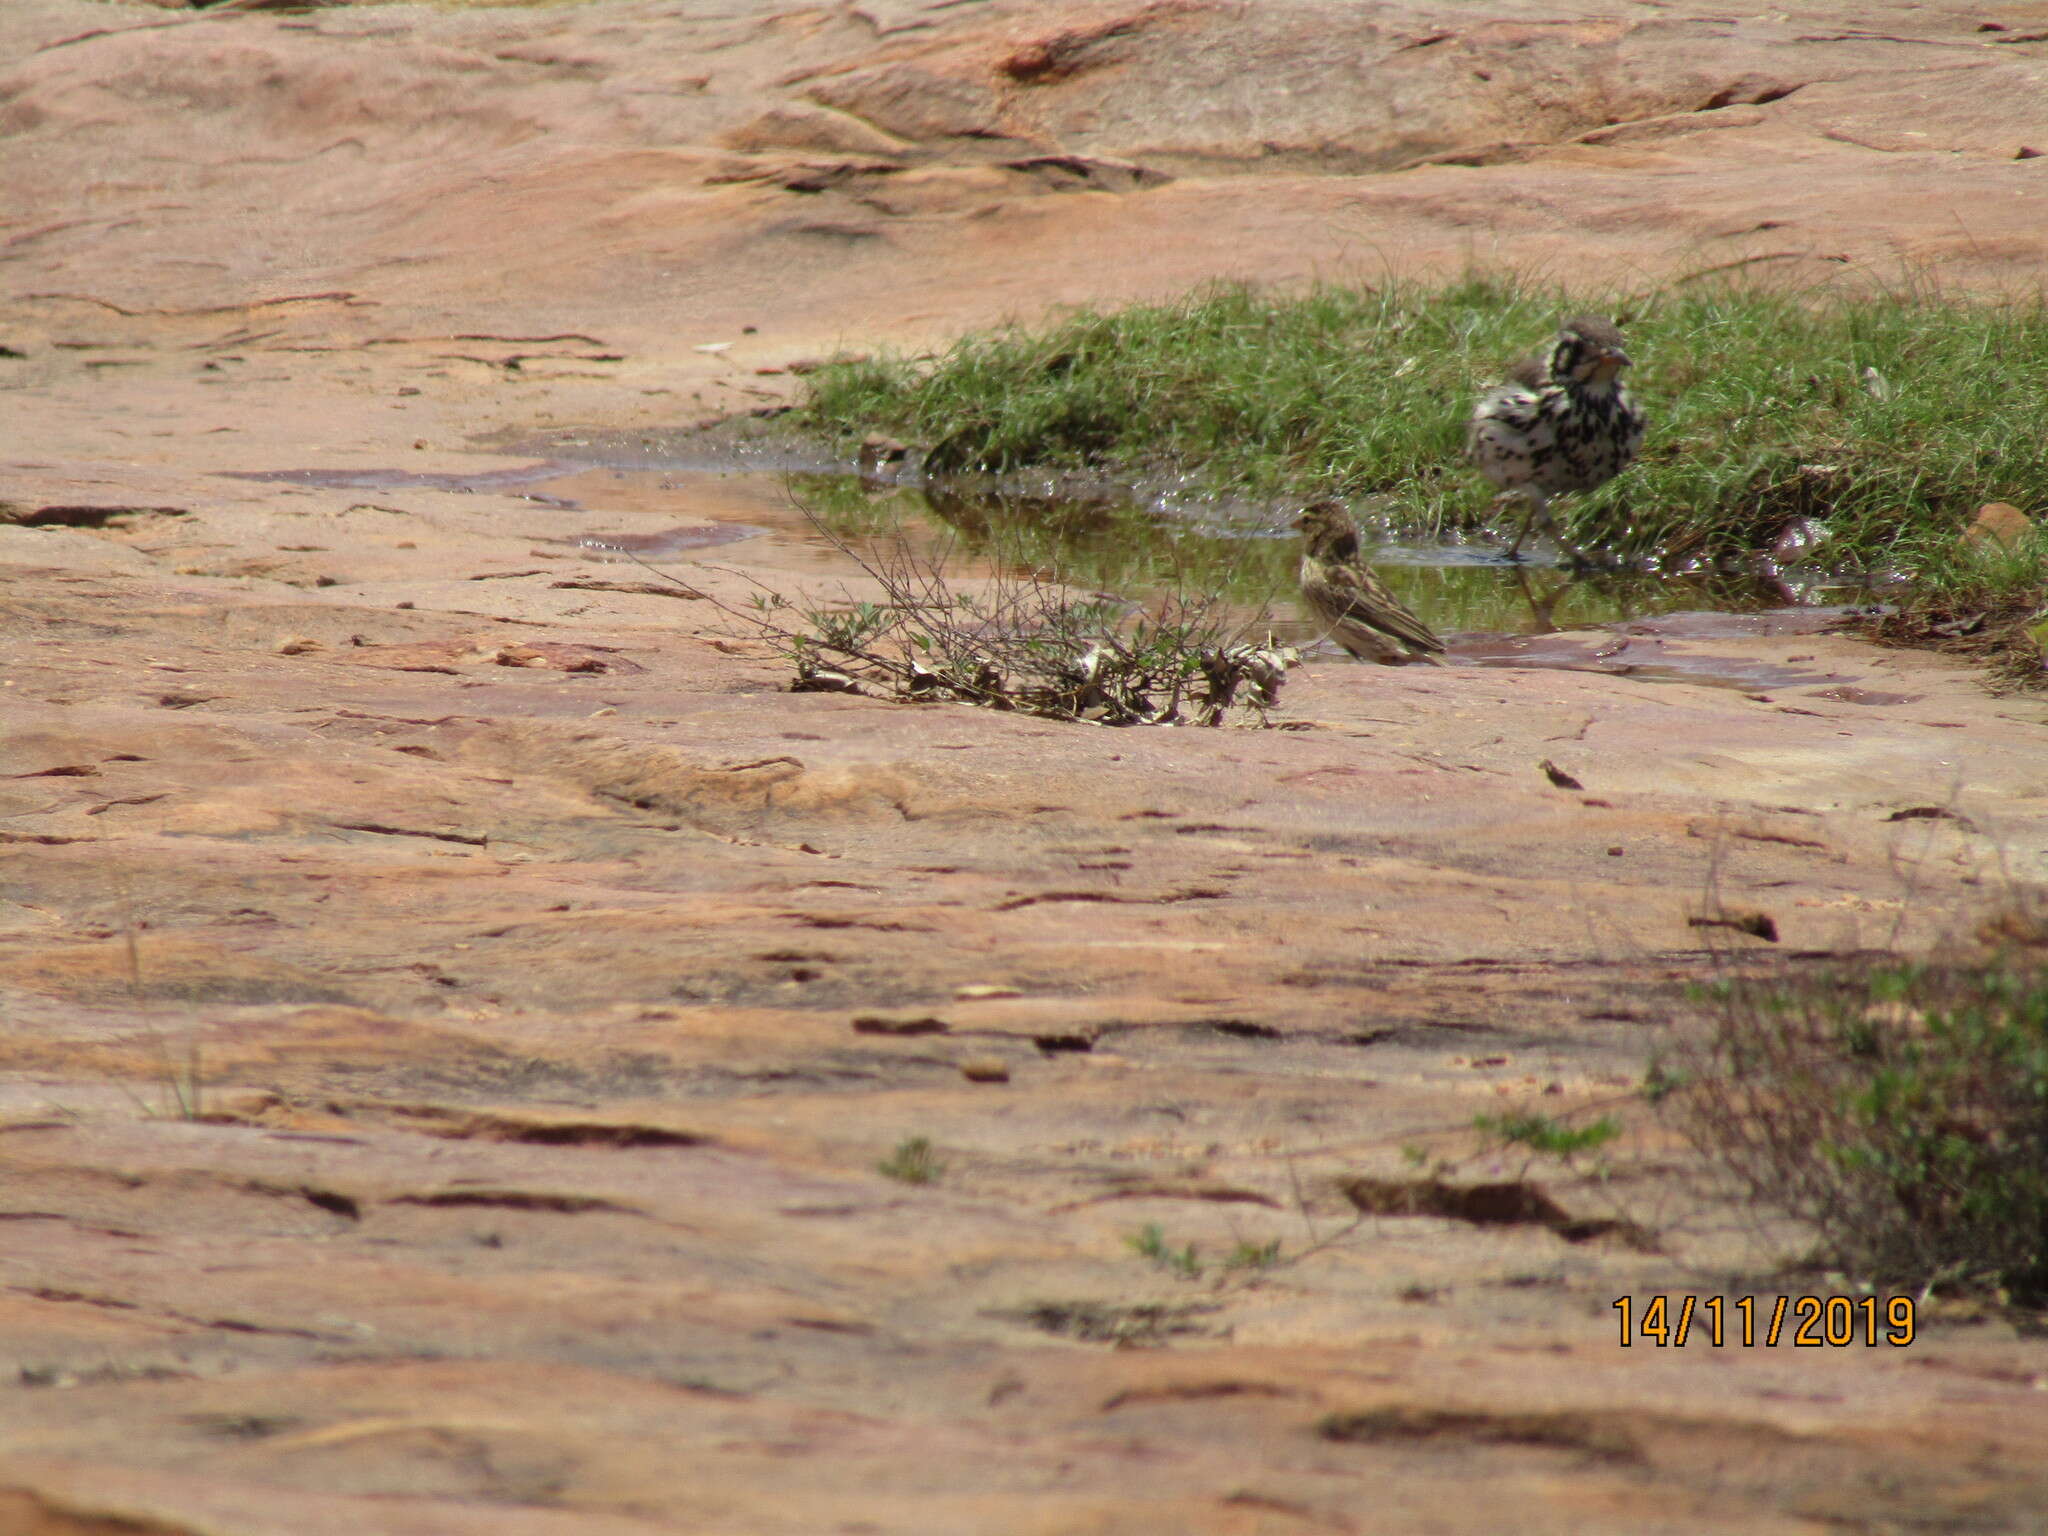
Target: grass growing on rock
[[913, 1162], [1888, 416], [1978, 598]]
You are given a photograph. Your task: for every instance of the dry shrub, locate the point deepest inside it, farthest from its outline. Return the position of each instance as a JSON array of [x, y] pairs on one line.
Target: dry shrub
[[1024, 641], [1901, 1108]]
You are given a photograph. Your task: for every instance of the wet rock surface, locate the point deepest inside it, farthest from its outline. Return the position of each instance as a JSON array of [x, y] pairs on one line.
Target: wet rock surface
[[456, 999]]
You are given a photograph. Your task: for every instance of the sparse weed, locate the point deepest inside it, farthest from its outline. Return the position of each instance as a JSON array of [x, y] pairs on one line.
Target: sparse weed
[[1250, 1255], [1150, 1242], [183, 1081], [1661, 1080], [913, 1162], [1546, 1133], [1900, 1107]]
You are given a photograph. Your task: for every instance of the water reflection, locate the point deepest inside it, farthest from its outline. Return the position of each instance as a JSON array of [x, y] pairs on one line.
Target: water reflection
[[1105, 544]]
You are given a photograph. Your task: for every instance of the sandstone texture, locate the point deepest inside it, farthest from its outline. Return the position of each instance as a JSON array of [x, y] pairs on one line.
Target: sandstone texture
[[454, 999]]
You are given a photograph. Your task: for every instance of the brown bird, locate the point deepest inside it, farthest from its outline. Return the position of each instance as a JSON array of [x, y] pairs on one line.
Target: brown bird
[[1341, 591]]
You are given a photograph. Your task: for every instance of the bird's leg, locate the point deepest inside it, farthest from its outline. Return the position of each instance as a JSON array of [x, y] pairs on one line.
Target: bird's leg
[[1500, 502], [1536, 506], [1542, 608]]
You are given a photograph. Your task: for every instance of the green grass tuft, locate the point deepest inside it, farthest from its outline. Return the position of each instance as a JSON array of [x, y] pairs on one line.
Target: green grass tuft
[[913, 1162], [1987, 600], [1251, 1255], [1149, 1242], [1545, 1133]]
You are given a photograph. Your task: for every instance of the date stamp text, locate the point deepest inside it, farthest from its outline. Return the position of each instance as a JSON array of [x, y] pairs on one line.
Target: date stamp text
[[1804, 1322]]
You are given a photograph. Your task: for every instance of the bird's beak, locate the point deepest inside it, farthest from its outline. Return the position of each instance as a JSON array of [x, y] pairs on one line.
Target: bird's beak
[[1614, 357]]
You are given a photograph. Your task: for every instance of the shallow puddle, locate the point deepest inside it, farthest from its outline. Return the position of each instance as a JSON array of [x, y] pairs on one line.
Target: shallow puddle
[[648, 505], [1250, 558]]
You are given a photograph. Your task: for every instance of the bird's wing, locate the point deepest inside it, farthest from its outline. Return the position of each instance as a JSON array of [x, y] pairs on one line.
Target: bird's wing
[[1507, 413], [1366, 601]]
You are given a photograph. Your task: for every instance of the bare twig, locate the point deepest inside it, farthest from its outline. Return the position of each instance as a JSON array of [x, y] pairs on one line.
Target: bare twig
[[1020, 640]]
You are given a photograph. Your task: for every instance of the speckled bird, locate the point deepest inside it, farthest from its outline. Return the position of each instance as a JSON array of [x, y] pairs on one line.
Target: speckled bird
[[1562, 422], [1345, 596]]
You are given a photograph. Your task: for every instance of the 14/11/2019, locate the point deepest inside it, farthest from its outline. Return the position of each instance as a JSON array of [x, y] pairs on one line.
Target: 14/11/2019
[[1815, 1322]]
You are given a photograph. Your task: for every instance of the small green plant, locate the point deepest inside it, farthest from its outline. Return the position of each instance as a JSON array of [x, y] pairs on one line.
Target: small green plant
[[1901, 1108], [1660, 1081], [1150, 1242], [1546, 1133], [913, 1162], [1250, 1255], [183, 1082], [846, 630]]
